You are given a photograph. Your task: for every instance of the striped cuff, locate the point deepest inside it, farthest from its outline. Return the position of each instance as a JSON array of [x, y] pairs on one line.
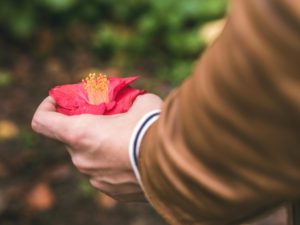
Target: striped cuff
[[136, 139]]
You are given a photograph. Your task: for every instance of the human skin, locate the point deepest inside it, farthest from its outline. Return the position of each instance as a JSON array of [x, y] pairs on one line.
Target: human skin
[[98, 145]]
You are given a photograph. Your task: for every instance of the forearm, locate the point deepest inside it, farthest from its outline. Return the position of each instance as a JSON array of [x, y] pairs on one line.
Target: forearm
[[227, 139]]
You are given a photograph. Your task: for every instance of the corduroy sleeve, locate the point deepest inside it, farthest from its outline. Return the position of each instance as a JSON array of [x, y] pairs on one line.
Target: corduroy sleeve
[[227, 143]]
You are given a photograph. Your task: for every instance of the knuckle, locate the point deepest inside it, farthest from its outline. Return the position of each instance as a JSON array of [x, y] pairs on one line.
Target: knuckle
[[79, 163], [73, 137], [94, 183], [77, 135], [76, 138], [83, 165], [75, 161], [35, 125], [102, 186], [99, 184], [105, 188]]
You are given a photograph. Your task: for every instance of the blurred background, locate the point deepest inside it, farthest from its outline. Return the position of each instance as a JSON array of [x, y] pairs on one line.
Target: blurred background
[[44, 43]]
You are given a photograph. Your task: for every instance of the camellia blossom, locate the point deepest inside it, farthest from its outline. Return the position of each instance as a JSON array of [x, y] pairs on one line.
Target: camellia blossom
[[96, 94]]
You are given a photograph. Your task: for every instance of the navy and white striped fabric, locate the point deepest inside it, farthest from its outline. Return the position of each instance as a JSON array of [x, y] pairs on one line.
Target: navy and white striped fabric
[[136, 139]]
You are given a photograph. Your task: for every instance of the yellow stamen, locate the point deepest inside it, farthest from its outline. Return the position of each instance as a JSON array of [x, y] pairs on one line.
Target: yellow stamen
[[96, 87]]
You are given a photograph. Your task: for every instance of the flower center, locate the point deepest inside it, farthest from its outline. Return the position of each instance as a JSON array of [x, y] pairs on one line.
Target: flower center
[[96, 87]]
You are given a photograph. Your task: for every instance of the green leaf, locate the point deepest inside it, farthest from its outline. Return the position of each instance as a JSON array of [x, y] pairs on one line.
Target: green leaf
[[23, 22], [5, 79], [180, 70], [86, 189], [59, 5]]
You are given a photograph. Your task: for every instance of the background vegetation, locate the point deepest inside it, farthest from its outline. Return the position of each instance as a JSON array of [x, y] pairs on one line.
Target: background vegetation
[[160, 36]]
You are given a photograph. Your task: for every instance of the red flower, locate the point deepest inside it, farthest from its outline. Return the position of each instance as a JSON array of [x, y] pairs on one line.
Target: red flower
[[96, 95]]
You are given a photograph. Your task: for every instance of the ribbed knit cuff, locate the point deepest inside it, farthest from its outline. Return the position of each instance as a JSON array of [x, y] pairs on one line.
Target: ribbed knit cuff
[[136, 139]]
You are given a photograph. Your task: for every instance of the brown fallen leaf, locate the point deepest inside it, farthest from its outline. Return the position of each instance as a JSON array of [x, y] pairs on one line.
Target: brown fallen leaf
[[41, 197], [60, 172], [8, 130], [105, 201]]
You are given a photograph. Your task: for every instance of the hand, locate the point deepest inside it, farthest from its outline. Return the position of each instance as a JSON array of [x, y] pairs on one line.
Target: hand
[[98, 145]]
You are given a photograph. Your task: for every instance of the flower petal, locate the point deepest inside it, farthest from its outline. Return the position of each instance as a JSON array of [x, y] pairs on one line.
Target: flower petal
[[69, 96], [125, 100], [92, 109], [83, 109], [72, 99], [116, 84]]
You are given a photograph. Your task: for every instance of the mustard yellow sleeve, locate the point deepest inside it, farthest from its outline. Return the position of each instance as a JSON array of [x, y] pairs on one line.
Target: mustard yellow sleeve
[[227, 143]]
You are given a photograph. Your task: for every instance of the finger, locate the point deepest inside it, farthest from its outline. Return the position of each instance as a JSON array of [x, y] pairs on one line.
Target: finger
[[126, 192], [50, 123], [131, 197], [47, 105], [147, 102]]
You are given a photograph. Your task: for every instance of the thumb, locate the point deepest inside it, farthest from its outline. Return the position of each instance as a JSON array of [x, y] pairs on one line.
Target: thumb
[[48, 122], [145, 103]]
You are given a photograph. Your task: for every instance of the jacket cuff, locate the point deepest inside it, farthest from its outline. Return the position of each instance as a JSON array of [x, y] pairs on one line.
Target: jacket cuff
[[136, 139]]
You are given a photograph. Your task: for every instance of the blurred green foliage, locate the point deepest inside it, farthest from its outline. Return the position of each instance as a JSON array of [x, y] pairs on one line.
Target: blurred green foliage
[[86, 189], [5, 79], [28, 138], [159, 35]]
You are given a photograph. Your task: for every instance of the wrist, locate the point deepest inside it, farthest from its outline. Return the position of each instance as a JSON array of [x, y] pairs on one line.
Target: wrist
[[136, 138]]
